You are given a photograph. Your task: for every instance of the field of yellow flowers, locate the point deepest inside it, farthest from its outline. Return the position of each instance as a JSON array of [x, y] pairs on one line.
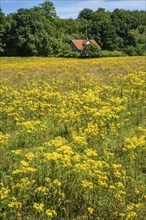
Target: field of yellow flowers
[[72, 138]]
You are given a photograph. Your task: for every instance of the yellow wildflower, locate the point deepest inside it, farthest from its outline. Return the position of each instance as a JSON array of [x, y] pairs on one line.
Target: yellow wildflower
[[87, 184], [42, 189], [90, 210], [16, 152], [38, 206], [50, 213], [24, 163], [4, 193], [131, 215], [17, 205], [57, 183]]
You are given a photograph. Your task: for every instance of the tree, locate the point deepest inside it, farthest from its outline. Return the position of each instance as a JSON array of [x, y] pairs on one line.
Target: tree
[[49, 9], [27, 34], [85, 14], [100, 10], [99, 17], [109, 37], [2, 32], [137, 43]]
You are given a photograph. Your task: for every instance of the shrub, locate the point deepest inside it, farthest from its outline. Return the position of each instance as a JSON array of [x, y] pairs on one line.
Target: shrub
[[105, 53], [69, 54], [90, 50], [135, 51]]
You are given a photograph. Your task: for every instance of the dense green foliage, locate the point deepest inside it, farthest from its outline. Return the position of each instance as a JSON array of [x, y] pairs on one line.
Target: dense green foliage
[[38, 31], [90, 50]]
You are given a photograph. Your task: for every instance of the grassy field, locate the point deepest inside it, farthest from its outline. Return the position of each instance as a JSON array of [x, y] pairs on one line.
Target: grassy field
[[72, 138]]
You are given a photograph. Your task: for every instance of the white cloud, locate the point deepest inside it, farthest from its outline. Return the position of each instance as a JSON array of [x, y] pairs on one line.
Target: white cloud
[[125, 4], [73, 9]]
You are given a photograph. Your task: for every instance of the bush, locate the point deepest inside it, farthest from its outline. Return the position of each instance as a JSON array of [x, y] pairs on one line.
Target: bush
[[69, 54], [135, 51], [105, 53], [90, 50], [131, 51]]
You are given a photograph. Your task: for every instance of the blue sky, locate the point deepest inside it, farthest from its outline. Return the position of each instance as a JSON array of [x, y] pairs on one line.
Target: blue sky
[[71, 8]]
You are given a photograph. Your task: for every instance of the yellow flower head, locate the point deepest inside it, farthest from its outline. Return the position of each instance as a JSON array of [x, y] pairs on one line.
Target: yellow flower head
[[87, 184], [90, 210], [38, 206], [50, 213]]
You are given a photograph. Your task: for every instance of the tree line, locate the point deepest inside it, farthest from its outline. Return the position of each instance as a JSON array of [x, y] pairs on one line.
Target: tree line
[[38, 31]]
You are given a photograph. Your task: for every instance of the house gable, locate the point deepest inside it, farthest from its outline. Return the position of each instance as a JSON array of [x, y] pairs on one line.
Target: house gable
[[74, 47], [78, 45]]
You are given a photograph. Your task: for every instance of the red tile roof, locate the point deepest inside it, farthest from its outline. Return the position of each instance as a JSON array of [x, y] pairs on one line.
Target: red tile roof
[[80, 43]]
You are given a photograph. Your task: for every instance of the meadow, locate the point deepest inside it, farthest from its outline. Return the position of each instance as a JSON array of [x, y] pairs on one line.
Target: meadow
[[72, 138]]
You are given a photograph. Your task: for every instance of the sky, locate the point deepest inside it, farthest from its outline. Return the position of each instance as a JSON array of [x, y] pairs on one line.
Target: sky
[[71, 8]]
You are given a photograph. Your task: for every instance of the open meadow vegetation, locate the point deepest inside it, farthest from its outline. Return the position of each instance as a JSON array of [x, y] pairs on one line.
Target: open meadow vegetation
[[72, 138]]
